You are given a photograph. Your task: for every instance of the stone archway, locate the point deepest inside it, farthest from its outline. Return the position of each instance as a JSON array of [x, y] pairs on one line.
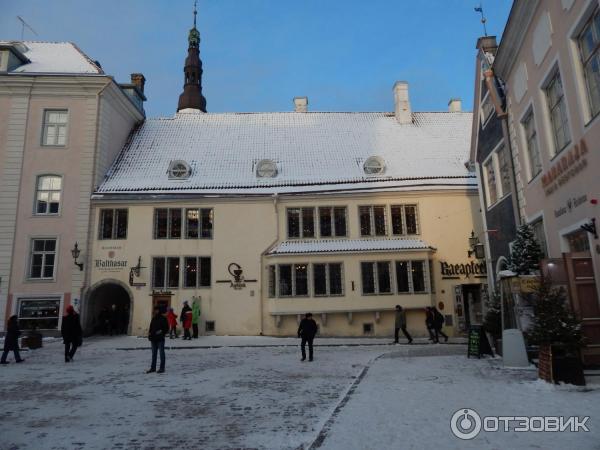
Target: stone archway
[[102, 295]]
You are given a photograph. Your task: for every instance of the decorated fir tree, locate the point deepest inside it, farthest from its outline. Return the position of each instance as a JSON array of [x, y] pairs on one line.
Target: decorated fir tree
[[526, 252], [553, 321]]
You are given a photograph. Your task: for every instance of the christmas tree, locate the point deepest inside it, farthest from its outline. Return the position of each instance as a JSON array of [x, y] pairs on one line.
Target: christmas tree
[[553, 322], [526, 252]]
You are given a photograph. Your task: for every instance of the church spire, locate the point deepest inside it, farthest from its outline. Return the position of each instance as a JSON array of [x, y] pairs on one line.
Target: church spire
[[191, 96]]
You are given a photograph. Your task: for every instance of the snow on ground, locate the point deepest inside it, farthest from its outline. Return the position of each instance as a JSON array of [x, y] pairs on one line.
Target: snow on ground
[[253, 392]]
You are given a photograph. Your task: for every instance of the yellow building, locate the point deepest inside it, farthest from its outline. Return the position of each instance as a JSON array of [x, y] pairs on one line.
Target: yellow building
[[263, 217]]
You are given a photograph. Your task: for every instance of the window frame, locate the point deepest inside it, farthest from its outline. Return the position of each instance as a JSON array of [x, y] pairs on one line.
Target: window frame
[[49, 191], [493, 159], [199, 270], [530, 118], [32, 252], [588, 21], [200, 227], [45, 113], [293, 280], [372, 227], [553, 76], [165, 285], [114, 234], [402, 207], [316, 224], [182, 226], [377, 290], [327, 279], [332, 221]]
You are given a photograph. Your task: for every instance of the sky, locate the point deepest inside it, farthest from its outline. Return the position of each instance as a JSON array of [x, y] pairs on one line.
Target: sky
[[344, 55]]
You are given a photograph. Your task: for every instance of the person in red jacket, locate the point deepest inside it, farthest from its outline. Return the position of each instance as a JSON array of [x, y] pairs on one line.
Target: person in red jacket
[[186, 320], [172, 320]]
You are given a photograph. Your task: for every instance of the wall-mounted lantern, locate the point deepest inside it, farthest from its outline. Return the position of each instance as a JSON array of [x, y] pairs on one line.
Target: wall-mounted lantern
[[475, 247], [75, 252]]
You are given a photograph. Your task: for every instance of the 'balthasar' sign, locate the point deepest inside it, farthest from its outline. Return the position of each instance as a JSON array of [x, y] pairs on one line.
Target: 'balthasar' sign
[[477, 269], [566, 168]]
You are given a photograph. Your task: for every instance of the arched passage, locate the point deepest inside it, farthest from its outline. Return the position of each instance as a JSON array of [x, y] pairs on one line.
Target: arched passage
[[109, 308]]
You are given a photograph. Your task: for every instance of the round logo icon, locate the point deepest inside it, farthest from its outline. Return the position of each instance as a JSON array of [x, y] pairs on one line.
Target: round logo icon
[[465, 424]]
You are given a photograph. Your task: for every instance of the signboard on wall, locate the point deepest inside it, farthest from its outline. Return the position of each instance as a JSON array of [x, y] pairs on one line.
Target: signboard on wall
[[476, 269], [112, 263]]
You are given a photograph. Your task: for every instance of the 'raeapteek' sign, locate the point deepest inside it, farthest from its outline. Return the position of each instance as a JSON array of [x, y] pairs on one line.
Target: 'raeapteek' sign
[[477, 269]]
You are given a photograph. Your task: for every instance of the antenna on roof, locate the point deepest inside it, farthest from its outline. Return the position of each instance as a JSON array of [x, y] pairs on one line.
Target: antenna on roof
[[23, 25], [479, 9], [195, 12]]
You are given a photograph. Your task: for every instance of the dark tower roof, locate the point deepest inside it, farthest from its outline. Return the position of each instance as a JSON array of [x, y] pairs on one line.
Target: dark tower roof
[[192, 97]]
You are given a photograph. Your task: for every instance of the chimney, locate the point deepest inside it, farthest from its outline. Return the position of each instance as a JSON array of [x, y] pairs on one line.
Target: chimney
[[455, 105], [402, 103], [139, 81], [301, 104]]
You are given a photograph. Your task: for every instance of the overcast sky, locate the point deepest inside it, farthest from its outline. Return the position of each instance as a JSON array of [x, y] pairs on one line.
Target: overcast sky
[[258, 54]]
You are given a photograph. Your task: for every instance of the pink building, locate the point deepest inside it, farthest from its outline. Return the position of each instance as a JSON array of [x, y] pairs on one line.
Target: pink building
[[62, 123]]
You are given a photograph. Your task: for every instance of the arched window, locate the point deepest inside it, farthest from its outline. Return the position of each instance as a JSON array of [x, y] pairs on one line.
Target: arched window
[[47, 195]]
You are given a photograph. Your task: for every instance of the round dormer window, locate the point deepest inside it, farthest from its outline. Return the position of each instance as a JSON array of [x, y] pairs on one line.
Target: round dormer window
[[179, 170], [266, 168], [374, 165]]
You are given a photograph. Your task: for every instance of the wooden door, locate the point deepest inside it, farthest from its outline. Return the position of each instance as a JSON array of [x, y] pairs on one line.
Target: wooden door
[[584, 300]]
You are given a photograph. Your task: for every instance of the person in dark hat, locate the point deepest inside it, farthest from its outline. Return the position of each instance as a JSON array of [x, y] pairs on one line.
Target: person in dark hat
[[71, 333], [306, 331], [11, 340], [400, 324]]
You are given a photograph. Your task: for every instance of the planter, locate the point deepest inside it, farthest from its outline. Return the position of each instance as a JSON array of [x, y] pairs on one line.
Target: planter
[[557, 365], [32, 341]]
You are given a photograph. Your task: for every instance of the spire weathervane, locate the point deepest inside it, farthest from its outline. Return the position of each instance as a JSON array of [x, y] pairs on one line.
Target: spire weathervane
[[479, 9]]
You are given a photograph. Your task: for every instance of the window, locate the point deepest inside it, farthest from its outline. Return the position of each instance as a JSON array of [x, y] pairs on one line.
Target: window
[[504, 166], [376, 277], [39, 313], [47, 197], [197, 272], [179, 170], [533, 150], [411, 277], [374, 165], [54, 131], [113, 224], [43, 258], [487, 108], [167, 223], [301, 222], [272, 281], [372, 220], [266, 168], [404, 219], [293, 280], [165, 272], [490, 181], [327, 279], [558, 113], [589, 45], [198, 223], [332, 221], [210, 326], [538, 231]]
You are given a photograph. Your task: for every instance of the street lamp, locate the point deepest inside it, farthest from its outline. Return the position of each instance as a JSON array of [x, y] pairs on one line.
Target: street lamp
[[75, 252], [476, 247]]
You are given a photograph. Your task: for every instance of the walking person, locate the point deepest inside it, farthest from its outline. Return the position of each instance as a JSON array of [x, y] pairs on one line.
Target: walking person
[[429, 323], [113, 324], [307, 330], [438, 323], [195, 317], [11, 340], [71, 333], [156, 335], [400, 324], [186, 320], [172, 321]]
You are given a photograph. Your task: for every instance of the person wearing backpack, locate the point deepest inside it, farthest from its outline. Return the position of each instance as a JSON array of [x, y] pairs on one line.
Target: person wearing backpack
[[438, 323]]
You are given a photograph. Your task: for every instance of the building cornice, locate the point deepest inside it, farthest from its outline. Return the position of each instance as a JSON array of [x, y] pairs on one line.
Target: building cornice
[[514, 33]]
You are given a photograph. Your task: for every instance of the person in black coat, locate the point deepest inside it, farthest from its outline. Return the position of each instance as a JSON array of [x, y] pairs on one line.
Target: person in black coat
[[182, 318], [438, 323], [71, 333], [159, 327], [429, 323], [11, 340], [307, 330]]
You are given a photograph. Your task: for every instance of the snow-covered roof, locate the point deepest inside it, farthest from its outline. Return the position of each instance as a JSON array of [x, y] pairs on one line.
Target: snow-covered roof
[[53, 58], [347, 245], [313, 151]]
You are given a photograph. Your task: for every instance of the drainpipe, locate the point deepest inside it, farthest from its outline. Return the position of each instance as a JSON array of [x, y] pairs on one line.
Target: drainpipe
[[275, 198]]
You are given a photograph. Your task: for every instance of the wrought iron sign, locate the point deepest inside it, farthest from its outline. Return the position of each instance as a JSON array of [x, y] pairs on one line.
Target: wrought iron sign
[[134, 272], [237, 281]]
